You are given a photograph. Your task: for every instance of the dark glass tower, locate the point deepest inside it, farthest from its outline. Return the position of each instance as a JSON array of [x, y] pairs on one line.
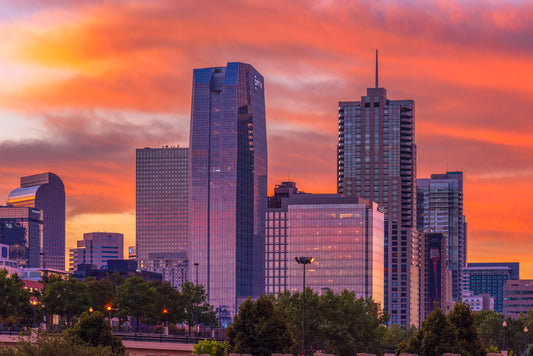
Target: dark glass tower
[[45, 192], [376, 160], [228, 165]]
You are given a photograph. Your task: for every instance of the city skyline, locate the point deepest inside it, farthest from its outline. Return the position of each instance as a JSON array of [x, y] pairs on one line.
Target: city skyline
[[86, 85]]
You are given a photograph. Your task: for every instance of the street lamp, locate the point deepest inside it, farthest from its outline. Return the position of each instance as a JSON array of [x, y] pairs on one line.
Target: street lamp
[[91, 309], [165, 311], [108, 308], [303, 261], [504, 324], [525, 339], [196, 297], [33, 304]]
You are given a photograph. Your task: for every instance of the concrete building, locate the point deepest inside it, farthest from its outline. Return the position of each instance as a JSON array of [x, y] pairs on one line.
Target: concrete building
[[96, 249], [162, 200], [479, 302], [21, 229], [376, 160], [343, 234], [517, 297], [440, 209], [173, 266], [228, 167], [45, 192]]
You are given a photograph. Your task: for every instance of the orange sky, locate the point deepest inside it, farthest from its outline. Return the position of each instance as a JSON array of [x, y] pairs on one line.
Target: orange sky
[[83, 85]]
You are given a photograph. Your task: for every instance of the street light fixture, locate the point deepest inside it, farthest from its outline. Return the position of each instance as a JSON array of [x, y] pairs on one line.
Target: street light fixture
[[108, 308], [196, 297], [302, 260], [33, 304], [525, 339], [504, 324]]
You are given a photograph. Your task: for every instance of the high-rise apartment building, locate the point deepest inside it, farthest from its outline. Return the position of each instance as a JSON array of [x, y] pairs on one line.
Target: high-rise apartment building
[[96, 249], [45, 192], [344, 235], [228, 165], [377, 161], [22, 230], [440, 209], [162, 198]]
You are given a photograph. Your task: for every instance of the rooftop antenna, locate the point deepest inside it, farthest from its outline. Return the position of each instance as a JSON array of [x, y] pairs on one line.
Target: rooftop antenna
[[377, 68]]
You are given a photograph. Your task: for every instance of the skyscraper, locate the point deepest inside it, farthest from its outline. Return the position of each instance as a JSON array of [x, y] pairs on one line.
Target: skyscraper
[[45, 192], [162, 198], [21, 229], [228, 165], [440, 209], [377, 161], [97, 248]]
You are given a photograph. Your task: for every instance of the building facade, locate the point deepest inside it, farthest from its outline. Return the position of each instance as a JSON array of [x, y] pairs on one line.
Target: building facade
[[517, 297], [45, 192], [228, 165], [343, 234], [96, 249], [376, 160], [162, 200], [488, 279], [173, 267], [22, 230], [440, 209]]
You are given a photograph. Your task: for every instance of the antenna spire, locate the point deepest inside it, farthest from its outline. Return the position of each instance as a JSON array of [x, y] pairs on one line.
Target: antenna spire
[[377, 68]]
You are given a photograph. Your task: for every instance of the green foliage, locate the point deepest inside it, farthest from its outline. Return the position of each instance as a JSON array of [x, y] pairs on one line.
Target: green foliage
[[489, 327], [259, 329], [462, 318], [195, 297], [65, 297], [396, 335], [14, 300], [54, 345], [171, 300], [93, 329], [101, 293], [137, 298], [210, 347]]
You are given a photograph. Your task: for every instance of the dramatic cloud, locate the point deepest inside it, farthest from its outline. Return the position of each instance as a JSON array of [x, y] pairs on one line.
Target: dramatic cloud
[[95, 80]]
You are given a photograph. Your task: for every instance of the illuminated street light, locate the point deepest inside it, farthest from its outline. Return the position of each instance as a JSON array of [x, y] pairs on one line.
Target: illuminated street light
[[303, 261]]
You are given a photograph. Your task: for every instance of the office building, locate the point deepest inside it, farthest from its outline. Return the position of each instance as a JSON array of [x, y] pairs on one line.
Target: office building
[[162, 198], [517, 297], [435, 277], [478, 302], [173, 266], [228, 166], [440, 209], [45, 192], [514, 267], [376, 160], [96, 249], [21, 229], [488, 279], [344, 235]]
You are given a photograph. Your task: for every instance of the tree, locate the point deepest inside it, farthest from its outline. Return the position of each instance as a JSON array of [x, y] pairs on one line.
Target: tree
[[462, 318], [67, 298], [195, 301], [169, 299], [210, 347], [101, 293], [489, 326], [14, 299], [259, 329], [395, 335], [93, 329], [136, 298], [436, 336]]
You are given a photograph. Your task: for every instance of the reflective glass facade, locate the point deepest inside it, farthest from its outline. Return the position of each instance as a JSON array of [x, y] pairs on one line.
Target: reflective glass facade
[[376, 160], [45, 192], [486, 280], [344, 235], [22, 230], [162, 200], [440, 209], [228, 166], [97, 248]]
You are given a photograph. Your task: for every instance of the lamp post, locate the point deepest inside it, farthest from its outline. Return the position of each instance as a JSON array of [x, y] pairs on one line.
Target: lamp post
[[108, 308], [303, 261], [504, 324], [525, 339], [196, 297], [33, 304]]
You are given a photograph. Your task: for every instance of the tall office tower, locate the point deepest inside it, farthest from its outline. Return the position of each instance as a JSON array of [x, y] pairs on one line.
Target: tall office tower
[[377, 162], [228, 166], [162, 198], [343, 234], [21, 229], [435, 286], [439, 202], [97, 248], [45, 192]]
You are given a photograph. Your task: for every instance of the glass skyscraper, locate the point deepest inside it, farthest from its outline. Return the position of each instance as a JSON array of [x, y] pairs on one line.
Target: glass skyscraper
[[377, 161], [228, 166], [440, 209], [162, 199], [45, 192]]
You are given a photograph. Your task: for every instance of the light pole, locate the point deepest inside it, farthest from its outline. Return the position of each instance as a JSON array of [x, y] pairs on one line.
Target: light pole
[[525, 339], [33, 304], [504, 324], [303, 261], [108, 308], [196, 297]]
